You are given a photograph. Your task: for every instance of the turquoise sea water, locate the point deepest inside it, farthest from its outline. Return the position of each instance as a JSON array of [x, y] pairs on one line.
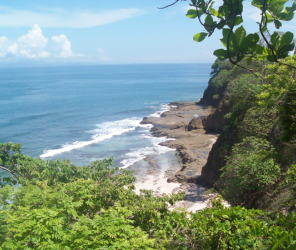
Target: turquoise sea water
[[86, 113]]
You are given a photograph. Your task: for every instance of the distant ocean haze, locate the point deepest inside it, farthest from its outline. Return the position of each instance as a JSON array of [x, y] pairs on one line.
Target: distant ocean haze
[[86, 113]]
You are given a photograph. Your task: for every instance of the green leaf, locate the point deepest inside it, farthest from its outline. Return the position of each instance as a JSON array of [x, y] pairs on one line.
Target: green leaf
[[225, 11], [221, 25], [240, 34], [232, 42], [289, 16], [277, 24], [288, 13], [261, 50], [257, 3], [238, 20], [211, 5], [287, 38], [194, 2], [279, 242], [200, 36], [240, 6], [293, 8], [287, 47], [214, 12], [274, 38], [282, 16], [221, 54], [200, 12], [249, 43], [276, 6], [191, 13], [225, 35], [209, 20]]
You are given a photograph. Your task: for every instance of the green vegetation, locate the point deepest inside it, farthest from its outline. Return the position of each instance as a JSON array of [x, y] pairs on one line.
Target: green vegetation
[[240, 45], [257, 145], [59, 206], [251, 168]]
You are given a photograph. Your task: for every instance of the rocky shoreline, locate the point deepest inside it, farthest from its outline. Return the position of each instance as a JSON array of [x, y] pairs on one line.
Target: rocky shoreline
[[183, 124]]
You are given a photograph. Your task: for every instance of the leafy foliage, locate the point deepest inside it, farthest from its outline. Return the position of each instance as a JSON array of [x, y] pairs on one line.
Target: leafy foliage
[[226, 228], [280, 90], [258, 121], [99, 210], [24, 169], [240, 45], [250, 169], [61, 206]]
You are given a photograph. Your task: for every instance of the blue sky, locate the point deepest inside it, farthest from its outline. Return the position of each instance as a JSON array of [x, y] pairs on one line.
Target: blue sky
[[105, 32]]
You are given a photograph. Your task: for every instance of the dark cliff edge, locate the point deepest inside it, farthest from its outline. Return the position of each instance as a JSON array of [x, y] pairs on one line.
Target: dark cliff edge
[[214, 123], [217, 95]]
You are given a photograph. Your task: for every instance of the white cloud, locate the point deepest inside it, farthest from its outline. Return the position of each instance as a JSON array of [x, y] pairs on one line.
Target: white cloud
[[3, 46], [59, 18], [62, 46], [250, 12], [31, 45], [34, 45], [102, 55]]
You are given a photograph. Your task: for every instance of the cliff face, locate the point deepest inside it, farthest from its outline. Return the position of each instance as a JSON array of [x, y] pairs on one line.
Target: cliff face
[[217, 94], [240, 117], [215, 123]]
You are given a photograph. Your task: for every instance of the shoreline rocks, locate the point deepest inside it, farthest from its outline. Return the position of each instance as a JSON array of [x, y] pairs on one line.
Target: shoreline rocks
[[185, 124], [178, 171]]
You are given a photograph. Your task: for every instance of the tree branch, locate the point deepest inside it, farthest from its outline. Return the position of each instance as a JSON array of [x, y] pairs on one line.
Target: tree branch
[[9, 171], [11, 159], [161, 8], [261, 32]]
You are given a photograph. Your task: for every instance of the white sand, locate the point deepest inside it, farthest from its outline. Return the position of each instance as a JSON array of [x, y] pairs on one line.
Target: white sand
[[157, 183]]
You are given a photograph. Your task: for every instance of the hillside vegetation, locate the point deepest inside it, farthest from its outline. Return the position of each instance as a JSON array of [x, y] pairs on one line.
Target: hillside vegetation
[[253, 160], [56, 205]]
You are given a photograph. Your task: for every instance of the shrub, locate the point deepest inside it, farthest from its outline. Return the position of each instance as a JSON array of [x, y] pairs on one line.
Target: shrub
[[249, 170]]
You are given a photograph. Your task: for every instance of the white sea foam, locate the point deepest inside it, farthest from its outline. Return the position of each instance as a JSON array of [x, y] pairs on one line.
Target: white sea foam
[[136, 155], [103, 132], [107, 130], [164, 108], [147, 126]]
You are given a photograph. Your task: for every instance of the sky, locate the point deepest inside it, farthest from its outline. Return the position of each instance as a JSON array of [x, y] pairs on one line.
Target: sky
[[106, 32]]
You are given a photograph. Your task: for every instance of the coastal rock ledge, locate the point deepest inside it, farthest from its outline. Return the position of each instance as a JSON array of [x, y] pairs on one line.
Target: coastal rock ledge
[[184, 124]]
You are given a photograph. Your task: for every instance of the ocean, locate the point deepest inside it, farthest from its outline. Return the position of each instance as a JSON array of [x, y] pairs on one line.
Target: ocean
[[86, 113]]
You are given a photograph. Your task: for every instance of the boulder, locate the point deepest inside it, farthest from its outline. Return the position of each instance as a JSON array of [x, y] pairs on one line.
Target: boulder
[[195, 123]]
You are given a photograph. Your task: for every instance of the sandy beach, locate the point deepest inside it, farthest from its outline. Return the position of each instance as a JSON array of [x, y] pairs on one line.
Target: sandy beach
[[177, 170]]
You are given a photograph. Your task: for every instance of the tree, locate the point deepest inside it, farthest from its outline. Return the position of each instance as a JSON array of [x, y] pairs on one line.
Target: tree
[[240, 45]]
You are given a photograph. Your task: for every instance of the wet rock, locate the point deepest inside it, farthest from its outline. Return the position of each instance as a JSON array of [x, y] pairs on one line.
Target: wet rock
[[145, 120]]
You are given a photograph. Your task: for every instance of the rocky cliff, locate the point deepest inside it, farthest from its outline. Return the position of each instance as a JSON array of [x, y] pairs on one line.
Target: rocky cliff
[[240, 116]]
